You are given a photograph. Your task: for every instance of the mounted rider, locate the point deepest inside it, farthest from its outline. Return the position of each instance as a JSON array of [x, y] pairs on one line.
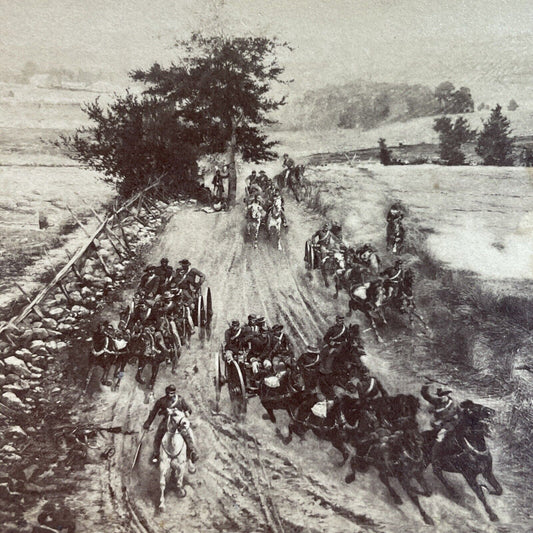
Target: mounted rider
[[325, 241], [335, 337], [165, 273], [396, 212], [189, 279], [171, 400], [277, 196], [369, 387], [288, 166], [443, 408], [392, 279], [255, 209]]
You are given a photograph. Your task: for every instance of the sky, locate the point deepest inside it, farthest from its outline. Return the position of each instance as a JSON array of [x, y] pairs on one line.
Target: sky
[[472, 42]]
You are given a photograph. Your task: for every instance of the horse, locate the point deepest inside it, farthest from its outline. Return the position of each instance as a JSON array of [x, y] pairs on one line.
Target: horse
[[463, 450], [395, 235], [295, 181], [173, 456], [107, 350], [283, 391], [396, 455], [143, 347], [350, 274], [369, 299], [255, 217], [274, 221], [170, 333], [368, 257]]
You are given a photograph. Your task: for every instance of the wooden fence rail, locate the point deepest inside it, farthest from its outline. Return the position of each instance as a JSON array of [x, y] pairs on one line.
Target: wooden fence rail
[[137, 198]]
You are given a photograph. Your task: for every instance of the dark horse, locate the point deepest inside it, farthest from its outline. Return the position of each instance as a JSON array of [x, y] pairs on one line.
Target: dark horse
[[396, 455], [106, 351], [287, 393], [463, 450]]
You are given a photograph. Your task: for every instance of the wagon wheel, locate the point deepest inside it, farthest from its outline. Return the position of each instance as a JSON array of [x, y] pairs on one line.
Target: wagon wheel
[[236, 388], [198, 313], [208, 313], [201, 318], [218, 377]]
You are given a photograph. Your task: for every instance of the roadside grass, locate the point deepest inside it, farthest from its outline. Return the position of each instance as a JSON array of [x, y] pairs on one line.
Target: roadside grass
[[480, 340]]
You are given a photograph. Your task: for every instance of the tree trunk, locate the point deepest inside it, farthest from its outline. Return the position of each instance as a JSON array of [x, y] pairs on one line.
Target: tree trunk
[[232, 151]]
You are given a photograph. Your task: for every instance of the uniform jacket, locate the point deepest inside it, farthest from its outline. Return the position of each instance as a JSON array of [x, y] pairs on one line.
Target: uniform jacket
[[164, 403]]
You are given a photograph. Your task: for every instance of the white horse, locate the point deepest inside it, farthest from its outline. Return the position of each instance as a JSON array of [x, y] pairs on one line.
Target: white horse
[[173, 455], [274, 221], [255, 216]]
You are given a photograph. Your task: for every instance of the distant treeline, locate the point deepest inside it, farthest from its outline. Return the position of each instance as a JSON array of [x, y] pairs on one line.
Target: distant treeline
[[364, 105]]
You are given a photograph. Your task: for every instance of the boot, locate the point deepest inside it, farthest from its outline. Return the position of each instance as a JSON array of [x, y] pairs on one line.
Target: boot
[[189, 441]]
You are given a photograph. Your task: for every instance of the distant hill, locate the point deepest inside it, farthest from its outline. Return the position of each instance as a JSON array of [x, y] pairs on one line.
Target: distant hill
[[362, 105]]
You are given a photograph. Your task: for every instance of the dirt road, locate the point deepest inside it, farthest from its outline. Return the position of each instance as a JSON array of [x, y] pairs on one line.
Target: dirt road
[[247, 480]]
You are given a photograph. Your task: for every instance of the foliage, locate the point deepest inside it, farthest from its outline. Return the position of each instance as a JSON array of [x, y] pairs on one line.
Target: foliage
[[451, 136], [134, 140], [494, 144], [221, 88], [452, 101], [512, 105]]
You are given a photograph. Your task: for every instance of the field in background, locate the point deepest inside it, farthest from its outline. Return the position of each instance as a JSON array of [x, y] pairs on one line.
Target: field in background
[[36, 179], [411, 132]]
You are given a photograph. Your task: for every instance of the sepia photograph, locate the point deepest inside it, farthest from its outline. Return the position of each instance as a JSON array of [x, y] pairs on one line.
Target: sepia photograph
[[266, 266]]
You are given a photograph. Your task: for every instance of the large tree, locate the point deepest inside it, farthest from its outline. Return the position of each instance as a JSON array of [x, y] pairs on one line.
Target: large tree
[[134, 140], [222, 88], [451, 136], [494, 143]]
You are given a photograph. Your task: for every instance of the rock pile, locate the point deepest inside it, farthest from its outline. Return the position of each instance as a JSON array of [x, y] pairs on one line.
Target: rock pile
[[30, 353]]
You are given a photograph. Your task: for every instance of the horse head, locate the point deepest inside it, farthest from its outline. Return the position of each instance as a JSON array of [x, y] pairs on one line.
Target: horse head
[[475, 417], [174, 419]]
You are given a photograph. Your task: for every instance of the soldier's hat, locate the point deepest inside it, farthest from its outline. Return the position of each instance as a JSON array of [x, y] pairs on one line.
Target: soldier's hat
[[252, 317], [234, 324], [262, 172], [339, 318], [185, 262], [170, 388], [313, 349], [149, 267], [164, 260], [277, 327], [254, 172], [260, 321], [443, 392]]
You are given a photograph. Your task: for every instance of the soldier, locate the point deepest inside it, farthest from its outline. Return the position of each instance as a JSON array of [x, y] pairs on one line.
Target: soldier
[[336, 334], [251, 328], [165, 273], [189, 279], [392, 279], [218, 186], [149, 281], [288, 165], [369, 387], [395, 212], [171, 400], [444, 410], [234, 340]]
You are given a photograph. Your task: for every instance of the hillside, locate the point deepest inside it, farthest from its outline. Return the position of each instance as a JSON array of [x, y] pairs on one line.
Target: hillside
[[363, 105]]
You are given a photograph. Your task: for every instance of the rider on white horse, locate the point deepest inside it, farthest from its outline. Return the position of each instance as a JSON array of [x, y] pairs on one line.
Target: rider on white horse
[[171, 400]]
